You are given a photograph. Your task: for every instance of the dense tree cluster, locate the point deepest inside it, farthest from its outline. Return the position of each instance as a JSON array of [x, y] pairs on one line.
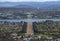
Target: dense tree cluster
[[47, 29]]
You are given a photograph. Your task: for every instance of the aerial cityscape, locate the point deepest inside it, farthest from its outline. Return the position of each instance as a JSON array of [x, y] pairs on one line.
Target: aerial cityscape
[[29, 20]]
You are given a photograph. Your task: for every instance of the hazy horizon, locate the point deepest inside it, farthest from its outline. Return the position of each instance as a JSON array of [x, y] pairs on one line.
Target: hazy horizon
[[27, 0]]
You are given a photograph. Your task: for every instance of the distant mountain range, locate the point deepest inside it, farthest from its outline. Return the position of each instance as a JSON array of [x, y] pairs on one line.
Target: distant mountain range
[[40, 5]]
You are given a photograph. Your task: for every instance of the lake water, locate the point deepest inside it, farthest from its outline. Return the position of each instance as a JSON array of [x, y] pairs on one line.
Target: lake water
[[29, 20]]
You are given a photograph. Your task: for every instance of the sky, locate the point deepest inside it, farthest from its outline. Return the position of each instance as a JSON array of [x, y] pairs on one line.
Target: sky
[[26, 0]]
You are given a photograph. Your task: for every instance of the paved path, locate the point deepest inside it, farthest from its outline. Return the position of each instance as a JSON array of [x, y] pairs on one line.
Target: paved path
[[29, 28]]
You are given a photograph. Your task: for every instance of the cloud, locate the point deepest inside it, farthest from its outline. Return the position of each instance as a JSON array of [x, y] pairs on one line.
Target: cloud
[[26, 0]]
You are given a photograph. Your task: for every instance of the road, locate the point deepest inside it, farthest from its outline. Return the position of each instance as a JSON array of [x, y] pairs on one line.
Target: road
[[29, 28]]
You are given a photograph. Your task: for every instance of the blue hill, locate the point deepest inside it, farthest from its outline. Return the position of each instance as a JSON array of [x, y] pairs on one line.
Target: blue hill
[[40, 5]]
